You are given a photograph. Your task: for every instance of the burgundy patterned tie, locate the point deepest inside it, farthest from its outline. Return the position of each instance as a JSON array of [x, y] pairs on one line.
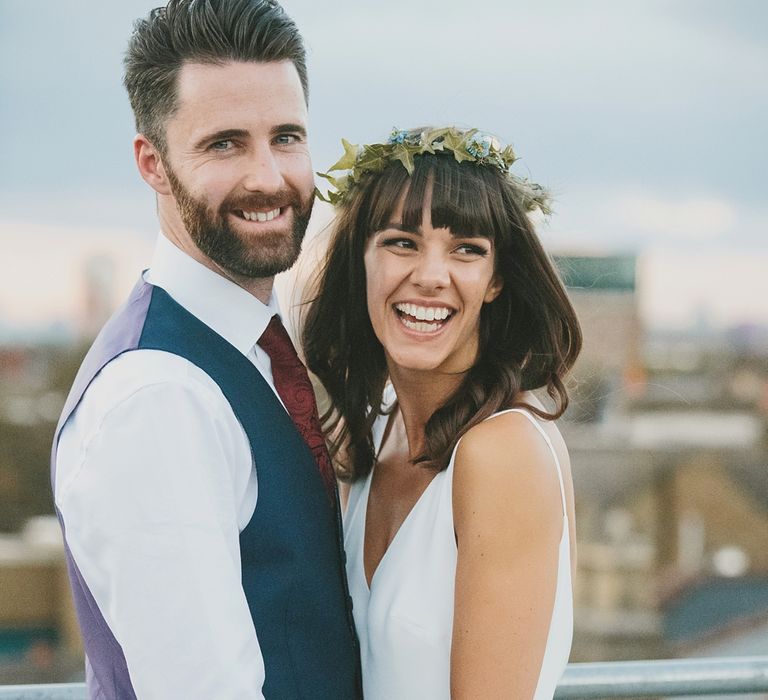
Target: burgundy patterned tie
[[295, 389]]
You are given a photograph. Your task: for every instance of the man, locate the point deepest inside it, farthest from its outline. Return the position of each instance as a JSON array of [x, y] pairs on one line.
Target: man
[[192, 484]]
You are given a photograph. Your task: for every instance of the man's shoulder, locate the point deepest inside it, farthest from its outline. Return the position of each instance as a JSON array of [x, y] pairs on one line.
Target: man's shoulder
[[138, 374]]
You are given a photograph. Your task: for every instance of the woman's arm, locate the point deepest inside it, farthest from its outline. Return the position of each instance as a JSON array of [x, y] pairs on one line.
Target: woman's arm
[[508, 517]]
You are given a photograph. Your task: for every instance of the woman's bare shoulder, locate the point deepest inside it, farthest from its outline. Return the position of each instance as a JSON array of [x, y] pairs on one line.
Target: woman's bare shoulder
[[505, 464], [507, 439]]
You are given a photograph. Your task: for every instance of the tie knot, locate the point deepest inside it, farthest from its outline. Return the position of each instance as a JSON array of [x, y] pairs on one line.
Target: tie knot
[[276, 342]]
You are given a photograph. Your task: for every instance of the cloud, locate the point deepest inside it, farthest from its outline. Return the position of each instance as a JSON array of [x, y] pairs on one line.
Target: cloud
[[604, 219], [664, 216]]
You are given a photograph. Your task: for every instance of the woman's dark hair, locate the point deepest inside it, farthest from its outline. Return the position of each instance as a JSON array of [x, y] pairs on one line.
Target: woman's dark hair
[[529, 335], [201, 31]]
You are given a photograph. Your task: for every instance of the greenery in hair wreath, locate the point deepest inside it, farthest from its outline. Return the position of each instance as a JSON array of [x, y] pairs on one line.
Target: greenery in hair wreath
[[403, 146]]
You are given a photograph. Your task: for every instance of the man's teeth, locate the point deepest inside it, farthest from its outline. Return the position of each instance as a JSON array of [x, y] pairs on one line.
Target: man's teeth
[[261, 215], [424, 313]]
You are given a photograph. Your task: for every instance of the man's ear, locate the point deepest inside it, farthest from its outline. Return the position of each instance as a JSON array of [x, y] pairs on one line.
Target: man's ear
[[150, 164]]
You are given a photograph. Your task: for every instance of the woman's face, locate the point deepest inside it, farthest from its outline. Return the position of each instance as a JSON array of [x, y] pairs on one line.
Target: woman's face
[[425, 290]]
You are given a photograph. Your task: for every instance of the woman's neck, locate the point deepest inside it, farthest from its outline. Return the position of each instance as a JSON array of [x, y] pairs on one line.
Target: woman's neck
[[419, 395]]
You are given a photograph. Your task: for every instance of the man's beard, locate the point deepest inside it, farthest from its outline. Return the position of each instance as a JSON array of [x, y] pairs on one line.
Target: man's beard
[[260, 255]]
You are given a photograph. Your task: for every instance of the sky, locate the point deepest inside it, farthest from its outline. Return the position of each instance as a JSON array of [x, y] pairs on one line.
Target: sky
[[644, 117]]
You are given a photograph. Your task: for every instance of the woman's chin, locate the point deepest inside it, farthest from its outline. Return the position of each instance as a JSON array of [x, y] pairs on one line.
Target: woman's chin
[[412, 360]]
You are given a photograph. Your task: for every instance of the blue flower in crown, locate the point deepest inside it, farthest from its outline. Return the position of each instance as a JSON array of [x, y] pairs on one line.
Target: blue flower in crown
[[397, 136], [479, 145]]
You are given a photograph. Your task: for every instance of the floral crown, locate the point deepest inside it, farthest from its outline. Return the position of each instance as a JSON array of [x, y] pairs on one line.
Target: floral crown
[[403, 145]]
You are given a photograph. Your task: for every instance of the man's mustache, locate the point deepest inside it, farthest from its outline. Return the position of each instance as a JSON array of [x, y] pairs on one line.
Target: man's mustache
[[278, 200]]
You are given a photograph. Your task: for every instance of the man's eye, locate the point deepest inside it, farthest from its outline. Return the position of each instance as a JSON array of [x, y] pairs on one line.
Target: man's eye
[[225, 145], [286, 139]]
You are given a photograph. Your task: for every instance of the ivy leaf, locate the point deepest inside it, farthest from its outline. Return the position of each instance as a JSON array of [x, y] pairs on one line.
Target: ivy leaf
[[347, 161], [462, 155], [340, 183], [508, 155], [455, 142], [405, 155], [374, 158], [430, 139], [333, 180], [468, 136]]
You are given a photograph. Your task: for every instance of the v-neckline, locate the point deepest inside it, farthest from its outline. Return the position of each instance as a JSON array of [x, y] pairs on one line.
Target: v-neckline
[[367, 495]]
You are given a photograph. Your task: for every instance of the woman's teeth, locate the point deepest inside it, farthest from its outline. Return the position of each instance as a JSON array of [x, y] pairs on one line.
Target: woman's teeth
[[424, 319], [420, 326], [260, 215], [424, 313]]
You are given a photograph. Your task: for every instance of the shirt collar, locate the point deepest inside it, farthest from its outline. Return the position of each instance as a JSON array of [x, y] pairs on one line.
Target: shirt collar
[[235, 314]]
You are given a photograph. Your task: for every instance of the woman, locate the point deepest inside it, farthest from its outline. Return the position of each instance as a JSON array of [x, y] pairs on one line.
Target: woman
[[459, 522]]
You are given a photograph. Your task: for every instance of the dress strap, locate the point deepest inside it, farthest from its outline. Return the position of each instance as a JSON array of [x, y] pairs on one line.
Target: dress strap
[[547, 439], [379, 428]]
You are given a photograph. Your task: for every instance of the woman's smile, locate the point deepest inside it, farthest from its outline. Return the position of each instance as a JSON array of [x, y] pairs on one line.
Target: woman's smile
[[426, 288], [424, 319]]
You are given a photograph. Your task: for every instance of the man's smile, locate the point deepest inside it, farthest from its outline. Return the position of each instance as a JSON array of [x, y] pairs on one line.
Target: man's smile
[[260, 216]]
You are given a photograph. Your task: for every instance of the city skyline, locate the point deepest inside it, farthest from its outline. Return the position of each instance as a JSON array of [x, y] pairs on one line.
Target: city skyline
[[674, 287]]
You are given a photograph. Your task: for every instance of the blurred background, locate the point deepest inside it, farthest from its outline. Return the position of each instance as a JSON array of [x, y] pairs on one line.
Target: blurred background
[[646, 119]]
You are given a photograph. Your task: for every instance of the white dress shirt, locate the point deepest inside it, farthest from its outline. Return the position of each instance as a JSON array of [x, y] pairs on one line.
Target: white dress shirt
[[155, 481]]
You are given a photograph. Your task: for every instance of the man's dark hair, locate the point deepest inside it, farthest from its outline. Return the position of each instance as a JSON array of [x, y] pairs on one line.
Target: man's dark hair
[[201, 31]]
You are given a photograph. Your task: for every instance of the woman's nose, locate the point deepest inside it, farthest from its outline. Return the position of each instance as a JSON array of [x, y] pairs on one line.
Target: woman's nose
[[431, 271]]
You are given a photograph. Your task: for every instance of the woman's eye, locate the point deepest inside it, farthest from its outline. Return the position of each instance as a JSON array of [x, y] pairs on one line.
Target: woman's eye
[[403, 243], [470, 249]]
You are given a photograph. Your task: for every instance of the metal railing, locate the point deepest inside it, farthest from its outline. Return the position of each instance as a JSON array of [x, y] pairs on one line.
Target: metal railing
[[615, 679], [668, 678]]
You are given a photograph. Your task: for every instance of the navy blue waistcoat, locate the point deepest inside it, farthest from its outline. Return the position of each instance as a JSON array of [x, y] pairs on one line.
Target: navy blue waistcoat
[[291, 552]]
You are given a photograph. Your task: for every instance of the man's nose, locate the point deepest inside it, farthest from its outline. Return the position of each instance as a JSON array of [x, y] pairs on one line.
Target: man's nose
[[263, 172]]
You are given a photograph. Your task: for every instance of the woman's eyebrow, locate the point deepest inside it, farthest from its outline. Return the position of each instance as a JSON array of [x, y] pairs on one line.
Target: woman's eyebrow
[[459, 234], [417, 231], [404, 229]]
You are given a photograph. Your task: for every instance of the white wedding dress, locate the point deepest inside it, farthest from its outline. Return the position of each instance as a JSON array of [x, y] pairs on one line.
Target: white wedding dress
[[404, 621]]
